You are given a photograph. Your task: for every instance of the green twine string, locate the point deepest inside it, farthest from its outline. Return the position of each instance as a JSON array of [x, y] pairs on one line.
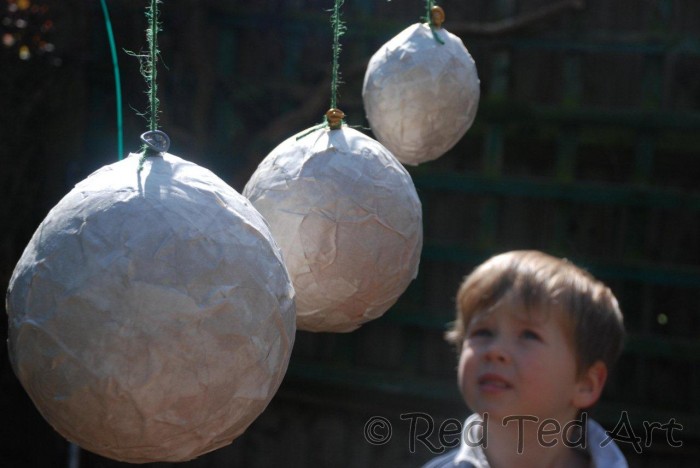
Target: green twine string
[[429, 4], [117, 81], [338, 30], [148, 63], [151, 70]]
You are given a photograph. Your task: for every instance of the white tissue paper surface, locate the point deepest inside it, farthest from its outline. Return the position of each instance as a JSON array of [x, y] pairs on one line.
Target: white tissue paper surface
[[346, 215], [151, 317], [421, 96]]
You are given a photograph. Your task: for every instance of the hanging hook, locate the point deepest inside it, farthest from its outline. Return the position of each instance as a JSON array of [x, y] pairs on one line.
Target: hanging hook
[[157, 140], [437, 16], [335, 118]]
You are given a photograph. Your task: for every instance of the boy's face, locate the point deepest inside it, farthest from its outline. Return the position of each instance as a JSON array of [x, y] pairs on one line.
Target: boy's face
[[519, 364]]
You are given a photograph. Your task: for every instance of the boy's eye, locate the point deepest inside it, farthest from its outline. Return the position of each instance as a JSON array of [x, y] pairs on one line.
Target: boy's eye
[[530, 335], [484, 332]]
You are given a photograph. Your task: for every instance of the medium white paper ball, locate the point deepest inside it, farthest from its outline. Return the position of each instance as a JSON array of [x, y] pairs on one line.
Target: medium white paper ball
[[348, 220], [151, 317], [421, 96]]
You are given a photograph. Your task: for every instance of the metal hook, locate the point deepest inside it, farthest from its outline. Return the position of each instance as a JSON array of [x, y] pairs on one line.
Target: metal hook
[[156, 140]]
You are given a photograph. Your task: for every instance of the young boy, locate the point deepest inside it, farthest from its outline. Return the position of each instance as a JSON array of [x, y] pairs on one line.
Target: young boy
[[536, 337]]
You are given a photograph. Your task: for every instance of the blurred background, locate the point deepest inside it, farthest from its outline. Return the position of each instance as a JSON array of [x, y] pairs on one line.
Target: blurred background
[[586, 145]]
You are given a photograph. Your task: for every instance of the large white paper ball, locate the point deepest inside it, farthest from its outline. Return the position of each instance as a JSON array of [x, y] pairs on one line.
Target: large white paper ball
[[421, 96], [348, 220], [151, 317]]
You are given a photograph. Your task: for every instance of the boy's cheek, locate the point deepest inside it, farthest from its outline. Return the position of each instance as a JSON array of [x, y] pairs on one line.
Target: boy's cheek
[[465, 370]]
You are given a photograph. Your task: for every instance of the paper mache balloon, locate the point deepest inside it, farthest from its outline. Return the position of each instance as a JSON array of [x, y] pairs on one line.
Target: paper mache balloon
[[421, 96], [151, 317], [348, 220]]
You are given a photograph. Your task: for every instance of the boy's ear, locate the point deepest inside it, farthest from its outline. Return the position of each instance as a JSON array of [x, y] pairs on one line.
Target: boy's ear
[[590, 385]]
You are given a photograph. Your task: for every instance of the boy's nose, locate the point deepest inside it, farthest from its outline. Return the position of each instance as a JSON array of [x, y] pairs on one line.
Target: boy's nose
[[497, 351]]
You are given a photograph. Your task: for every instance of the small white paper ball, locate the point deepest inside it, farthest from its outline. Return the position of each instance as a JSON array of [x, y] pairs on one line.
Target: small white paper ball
[[151, 317], [348, 220], [421, 96]]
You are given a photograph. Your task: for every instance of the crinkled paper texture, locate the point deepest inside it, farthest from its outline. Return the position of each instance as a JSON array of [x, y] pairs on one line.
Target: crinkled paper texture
[[420, 96], [348, 220], [151, 316]]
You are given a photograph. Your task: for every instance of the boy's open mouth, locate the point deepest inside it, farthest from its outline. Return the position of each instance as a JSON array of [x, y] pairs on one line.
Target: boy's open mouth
[[493, 382]]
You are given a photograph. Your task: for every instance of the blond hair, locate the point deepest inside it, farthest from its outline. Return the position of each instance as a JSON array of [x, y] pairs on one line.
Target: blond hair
[[543, 282]]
